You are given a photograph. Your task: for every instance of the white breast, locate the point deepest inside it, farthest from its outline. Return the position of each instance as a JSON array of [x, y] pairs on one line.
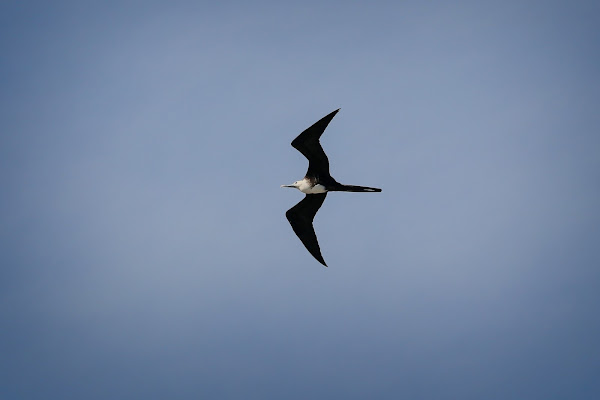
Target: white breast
[[306, 188]]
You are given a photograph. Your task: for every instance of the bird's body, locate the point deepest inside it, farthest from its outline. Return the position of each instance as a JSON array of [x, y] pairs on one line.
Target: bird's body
[[309, 186], [316, 183]]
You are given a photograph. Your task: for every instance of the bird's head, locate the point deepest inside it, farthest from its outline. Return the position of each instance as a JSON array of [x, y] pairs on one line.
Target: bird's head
[[293, 185]]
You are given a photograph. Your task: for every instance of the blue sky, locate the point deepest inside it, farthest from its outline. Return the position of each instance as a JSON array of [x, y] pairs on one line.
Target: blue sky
[[143, 243]]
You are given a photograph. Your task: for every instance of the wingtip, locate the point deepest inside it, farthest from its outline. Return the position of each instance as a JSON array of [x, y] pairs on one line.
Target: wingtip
[[333, 113]]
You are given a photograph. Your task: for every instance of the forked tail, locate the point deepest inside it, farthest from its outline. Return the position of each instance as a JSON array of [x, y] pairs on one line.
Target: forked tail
[[352, 188]]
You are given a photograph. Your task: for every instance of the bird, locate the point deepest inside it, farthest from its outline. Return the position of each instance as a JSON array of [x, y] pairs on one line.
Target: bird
[[316, 184]]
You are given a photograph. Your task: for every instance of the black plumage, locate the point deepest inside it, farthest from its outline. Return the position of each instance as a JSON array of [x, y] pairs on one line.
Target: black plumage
[[301, 216], [301, 219]]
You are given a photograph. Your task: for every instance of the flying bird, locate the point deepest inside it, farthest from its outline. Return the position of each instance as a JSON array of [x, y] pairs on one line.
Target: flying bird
[[315, 185]]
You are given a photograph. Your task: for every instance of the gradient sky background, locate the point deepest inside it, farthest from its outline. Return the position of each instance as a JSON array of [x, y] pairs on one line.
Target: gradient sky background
[[143, 244]]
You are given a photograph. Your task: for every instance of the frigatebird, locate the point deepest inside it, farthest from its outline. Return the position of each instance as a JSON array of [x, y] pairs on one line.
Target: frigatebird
[[315, 185]]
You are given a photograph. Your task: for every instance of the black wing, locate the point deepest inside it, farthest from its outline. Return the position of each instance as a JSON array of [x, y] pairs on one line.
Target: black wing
[[308, 144], [301, 218]]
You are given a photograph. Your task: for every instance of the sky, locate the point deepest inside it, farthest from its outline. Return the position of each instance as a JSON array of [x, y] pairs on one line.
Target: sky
[[144, 248]]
